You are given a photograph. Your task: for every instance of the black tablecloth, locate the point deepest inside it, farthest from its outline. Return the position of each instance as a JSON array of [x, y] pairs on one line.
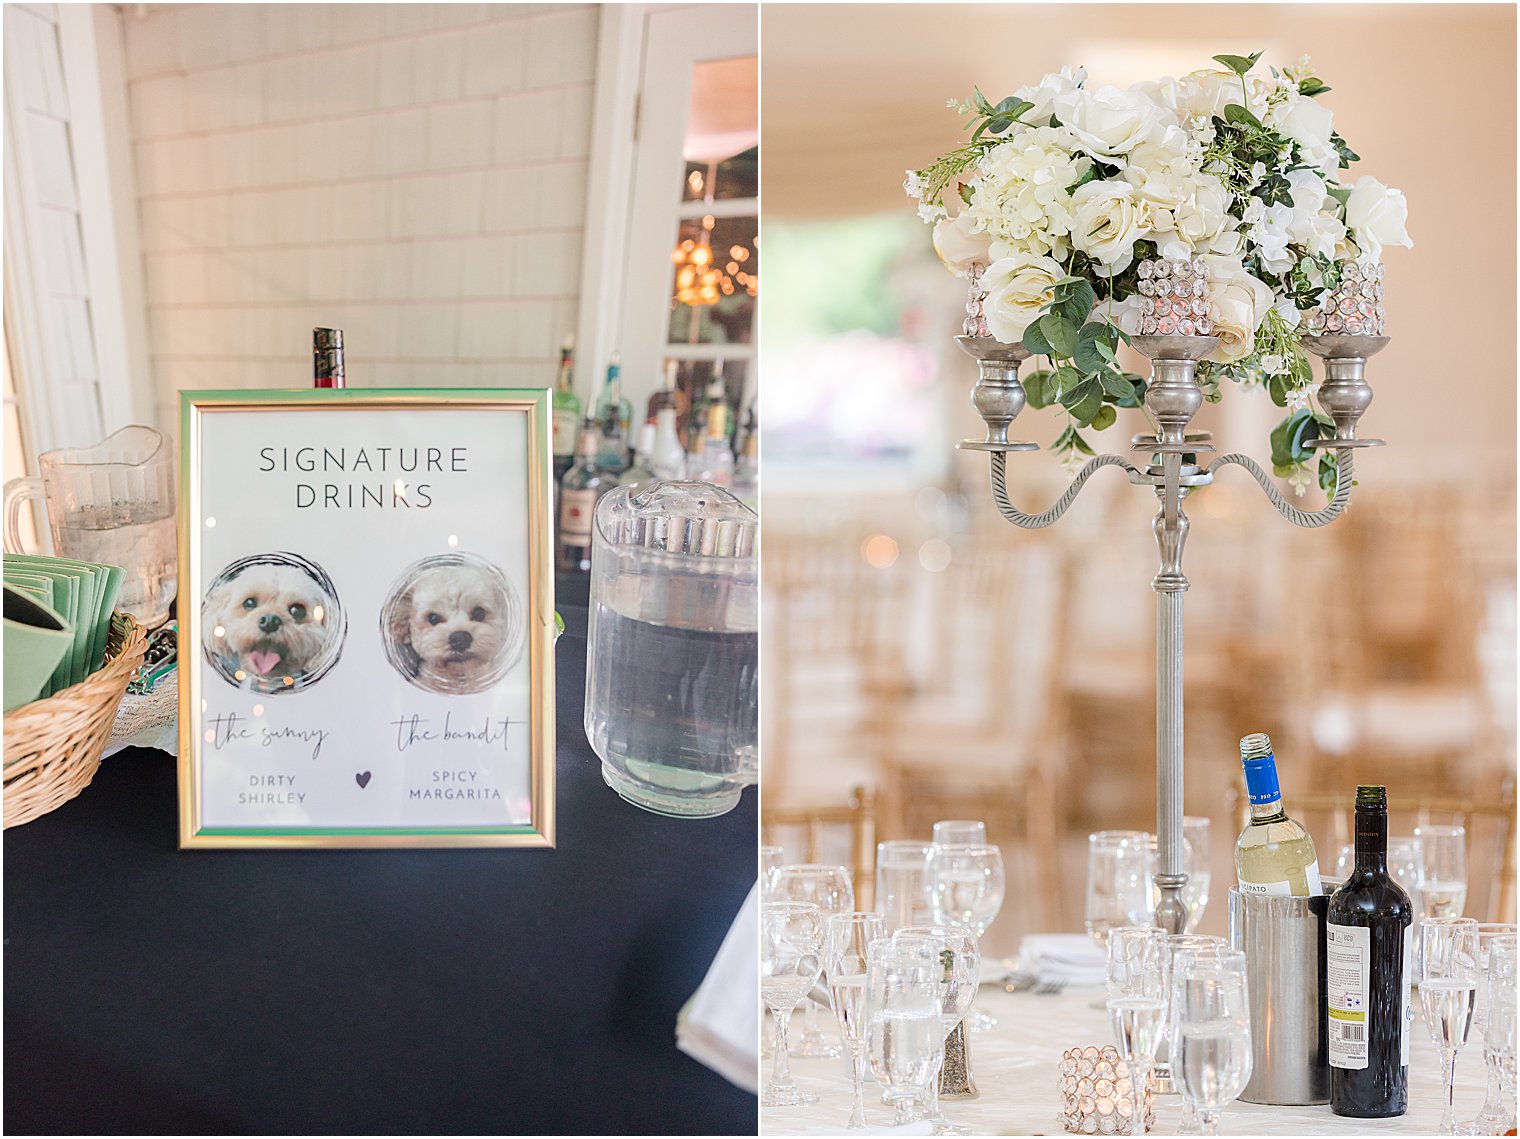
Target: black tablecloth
[[367, 992]]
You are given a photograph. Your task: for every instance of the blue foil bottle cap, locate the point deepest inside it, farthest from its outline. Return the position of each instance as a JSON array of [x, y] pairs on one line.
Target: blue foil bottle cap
[[1260, 768]]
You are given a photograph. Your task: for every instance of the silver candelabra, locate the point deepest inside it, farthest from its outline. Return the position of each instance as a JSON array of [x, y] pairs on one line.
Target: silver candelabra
[[1172, 398]]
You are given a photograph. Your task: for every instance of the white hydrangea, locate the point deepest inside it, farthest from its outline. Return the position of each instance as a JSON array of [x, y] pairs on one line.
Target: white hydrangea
[[1019, 194]]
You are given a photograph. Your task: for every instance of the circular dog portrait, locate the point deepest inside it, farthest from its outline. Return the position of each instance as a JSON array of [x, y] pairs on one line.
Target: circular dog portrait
[[452, 623], [272, 623]]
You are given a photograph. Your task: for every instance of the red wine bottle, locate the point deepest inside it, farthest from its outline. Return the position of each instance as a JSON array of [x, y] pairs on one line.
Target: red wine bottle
[[1368, 974]]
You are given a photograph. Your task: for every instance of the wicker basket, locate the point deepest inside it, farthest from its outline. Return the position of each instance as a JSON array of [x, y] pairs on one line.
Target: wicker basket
[[53, 746]]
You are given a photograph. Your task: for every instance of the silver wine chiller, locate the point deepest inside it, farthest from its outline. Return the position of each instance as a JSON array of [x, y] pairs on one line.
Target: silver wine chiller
[[1172, 398]]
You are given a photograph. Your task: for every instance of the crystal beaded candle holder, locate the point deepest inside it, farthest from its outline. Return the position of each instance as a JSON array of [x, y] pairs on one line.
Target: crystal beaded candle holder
[[1096, 1096], [1174, 298], [1354, 307], [976, 296]]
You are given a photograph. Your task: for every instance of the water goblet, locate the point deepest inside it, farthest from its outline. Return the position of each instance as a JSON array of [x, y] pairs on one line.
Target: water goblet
[[772, 858], [960, 832], [1449, 972], [966, 886], [960, 965], [902, 883], [1182, 950], [828, 888], [1494, 1117], [848, 937], [1136, 961], [1212, 1032], [791, 956], [1118, 882], [1499, 1030], [1195, 863], [901, 1013], [1443, 870]]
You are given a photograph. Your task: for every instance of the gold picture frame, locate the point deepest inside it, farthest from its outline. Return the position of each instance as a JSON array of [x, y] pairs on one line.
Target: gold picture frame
[[337, 613]]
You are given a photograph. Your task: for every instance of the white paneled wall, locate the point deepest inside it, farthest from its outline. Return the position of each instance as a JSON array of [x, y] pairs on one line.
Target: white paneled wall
[[414, 174]]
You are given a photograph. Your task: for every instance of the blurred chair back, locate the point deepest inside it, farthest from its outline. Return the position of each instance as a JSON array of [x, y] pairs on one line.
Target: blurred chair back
[[837, 835]]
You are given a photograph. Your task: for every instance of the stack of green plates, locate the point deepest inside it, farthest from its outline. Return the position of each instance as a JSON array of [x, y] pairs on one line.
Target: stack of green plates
[[82, 594]]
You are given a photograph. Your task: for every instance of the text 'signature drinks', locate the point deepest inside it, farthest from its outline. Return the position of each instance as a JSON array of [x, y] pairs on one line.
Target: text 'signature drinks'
[[1368, 962], [1274, 854]]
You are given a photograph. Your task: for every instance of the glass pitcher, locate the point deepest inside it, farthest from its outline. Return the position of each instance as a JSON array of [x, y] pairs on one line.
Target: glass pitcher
[[672, 660], [112, 503]]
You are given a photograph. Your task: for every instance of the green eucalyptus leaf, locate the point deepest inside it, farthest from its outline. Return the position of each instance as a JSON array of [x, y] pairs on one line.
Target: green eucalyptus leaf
[[1037, 388], [1081, 444], [1290, 438], [1090, 337], [1065, 379], [1239, 64], [1078, 302], [1083, 401], [1034, 340], [1105, 418], [1115, 386], [1060, 333], [1235, 113]]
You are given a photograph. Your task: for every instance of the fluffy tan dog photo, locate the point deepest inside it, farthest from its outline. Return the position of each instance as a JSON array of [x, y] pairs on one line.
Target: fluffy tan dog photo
[[450, 629], [268, 626]]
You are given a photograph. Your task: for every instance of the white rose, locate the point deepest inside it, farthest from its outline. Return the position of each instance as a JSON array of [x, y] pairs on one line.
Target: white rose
[[1205, 94], [1108, 121], [1018, 287], [1307, 122], [1043, 96], [1108, 220], [959, 246], [1377, 216], [1238, 302]]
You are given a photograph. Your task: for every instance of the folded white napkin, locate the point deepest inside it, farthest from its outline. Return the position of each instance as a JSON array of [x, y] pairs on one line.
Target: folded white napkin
[[1071, 957], [720, 1025]]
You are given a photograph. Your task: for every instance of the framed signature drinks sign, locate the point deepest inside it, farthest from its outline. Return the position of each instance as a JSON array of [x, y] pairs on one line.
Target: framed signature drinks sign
[[366, 619]]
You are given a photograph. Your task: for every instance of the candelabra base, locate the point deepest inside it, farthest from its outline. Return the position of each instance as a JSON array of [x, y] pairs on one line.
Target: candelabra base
[[985, 445], [1337, 444]]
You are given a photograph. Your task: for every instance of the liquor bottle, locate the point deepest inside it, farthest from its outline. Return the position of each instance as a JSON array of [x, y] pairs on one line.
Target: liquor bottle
[[1274, 854], [668, 459], [717, 460], [696, 422], [668, 396], [747, 472], [583, 485], [641, 473], [327, 357], [566, 417], [614, 414], [1369, 962]]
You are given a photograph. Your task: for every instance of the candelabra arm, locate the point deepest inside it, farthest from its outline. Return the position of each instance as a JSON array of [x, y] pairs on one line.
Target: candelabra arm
[[1040, 521], [1306, 518]]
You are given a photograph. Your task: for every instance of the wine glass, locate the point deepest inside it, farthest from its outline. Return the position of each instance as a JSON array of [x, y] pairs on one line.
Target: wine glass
[[902, 883], [960, 966], [791, 956], [1443, 870], [1195, 863], [1403, 864], [1499, 1031], [901, 1013], [960, 832], [1494, 1117], [1449, 973], [1119, 867], [966, 887], [1182, 950], [1136, 961], [828, 888], [1211, 1025], [771, 860], [848, 936]]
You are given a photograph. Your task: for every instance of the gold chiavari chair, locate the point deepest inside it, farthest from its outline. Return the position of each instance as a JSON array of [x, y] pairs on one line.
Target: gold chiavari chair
[[1489, 822], [840, 834]]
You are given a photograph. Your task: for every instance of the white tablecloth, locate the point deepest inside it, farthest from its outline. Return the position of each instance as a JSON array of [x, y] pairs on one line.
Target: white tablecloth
[[1014, 1069]]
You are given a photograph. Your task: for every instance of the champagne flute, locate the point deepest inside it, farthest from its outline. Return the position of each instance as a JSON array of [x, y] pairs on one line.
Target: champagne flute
[[1449, 974], [1118, 882], [1443, 870], [1212, 1026], [848, 938], [1494, 1117], [902, 883], [960, 966], [901, 1012], [966, 886], [1195, 863], [828, 888], [1137, 1030], [791, 956]]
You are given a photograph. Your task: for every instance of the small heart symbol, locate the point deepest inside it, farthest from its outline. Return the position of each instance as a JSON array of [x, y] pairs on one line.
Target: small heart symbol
[[263, 662], [362, 779]]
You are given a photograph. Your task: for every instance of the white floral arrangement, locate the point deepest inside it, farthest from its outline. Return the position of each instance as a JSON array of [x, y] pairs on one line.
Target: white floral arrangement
[[1062, 193]]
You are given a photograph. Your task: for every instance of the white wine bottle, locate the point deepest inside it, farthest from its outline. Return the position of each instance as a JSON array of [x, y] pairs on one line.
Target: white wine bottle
[[1274, 854]]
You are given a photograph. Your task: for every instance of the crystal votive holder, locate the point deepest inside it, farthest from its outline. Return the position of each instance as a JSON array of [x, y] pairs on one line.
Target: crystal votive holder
[[1354, 307], [1174, 297], [1097, 1096]]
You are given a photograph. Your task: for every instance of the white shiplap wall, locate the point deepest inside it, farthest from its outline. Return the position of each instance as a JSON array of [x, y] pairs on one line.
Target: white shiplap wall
[[414, 174]]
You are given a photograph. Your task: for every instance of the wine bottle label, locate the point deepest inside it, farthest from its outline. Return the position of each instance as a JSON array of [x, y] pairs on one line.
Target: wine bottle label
[[1348, 965], [575, 510], [565, 423], [1285, 889]]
